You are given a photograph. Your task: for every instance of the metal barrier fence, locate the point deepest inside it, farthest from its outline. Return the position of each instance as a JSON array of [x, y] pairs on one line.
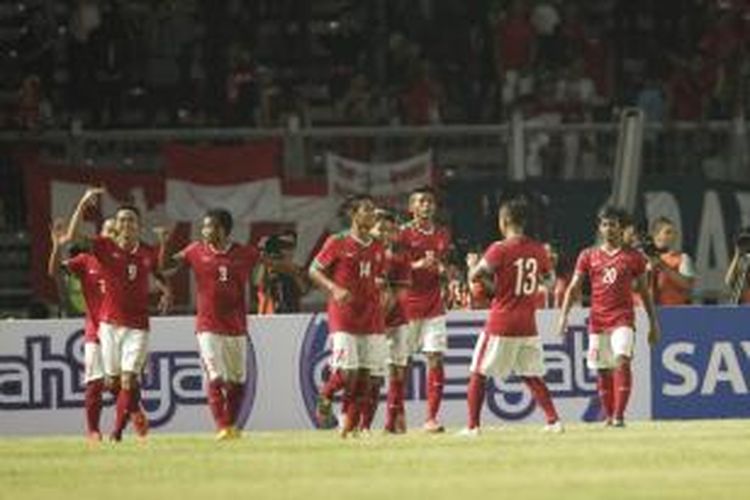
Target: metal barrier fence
[[518, 149]]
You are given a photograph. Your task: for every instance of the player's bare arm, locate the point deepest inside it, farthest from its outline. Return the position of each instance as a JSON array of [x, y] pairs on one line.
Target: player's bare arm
[[482, 272], [58, 237], [166, 298], [572, 294], [336, 292], [75, 220], [654, 331]]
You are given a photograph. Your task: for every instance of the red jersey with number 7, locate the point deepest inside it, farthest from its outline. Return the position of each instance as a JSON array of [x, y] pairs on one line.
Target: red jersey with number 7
[[359, 267], [519, 264], [126, 278], [85, 267], [221, 278], [611, 275]]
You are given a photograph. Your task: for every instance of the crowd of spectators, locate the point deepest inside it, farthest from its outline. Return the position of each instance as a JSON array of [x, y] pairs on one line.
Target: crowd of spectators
[[118, 63]]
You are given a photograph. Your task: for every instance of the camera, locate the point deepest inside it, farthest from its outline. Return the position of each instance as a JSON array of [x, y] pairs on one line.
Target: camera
[[648, 246], [742, 240]]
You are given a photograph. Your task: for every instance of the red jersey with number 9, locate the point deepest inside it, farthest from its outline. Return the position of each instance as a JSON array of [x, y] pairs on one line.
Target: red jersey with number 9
[[519, 263], [221, 278], [126, 279], [358, 267], [611, 275]]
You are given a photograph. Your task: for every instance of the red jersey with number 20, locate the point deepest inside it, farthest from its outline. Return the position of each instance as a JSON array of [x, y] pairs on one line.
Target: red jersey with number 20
[[519, 264], [126, 277], [424, 299], [221, 278], [85, 267], [611, 275], [356, 266]]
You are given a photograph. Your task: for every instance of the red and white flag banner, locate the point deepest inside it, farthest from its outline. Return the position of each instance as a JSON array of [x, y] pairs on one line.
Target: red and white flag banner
[[388, 182]]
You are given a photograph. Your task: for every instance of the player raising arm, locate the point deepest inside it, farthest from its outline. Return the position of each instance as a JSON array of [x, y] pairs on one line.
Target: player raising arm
[[510, 342], [349, 269], [611, 269], [222, 269], [125, 264]]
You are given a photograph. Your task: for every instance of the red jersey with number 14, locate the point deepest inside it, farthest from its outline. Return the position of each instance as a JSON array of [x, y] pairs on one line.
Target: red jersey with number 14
[[424, 299], [85, 267], [519, 264], [126, 278], [611, 275], [358, 267], [221, 278]]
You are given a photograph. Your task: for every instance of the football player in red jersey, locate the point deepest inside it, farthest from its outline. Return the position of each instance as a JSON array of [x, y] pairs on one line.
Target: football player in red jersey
[[349, 268], [85, 268], [426, 245], [125, 263], [510, 342], [398, 278], [611, 268], [221, 269]]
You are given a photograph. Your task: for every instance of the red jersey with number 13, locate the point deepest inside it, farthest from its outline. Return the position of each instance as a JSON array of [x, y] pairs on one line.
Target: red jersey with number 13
[[519, 264], [611, 275], [221, 280], [358, 267]]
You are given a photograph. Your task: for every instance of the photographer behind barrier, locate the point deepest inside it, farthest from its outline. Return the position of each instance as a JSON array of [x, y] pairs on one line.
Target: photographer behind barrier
[[737, 273], [672, 271], [284, 282]]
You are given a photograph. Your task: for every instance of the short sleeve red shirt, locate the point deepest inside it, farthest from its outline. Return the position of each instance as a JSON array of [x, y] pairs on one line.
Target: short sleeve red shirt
[[519, 264], [221, 281]]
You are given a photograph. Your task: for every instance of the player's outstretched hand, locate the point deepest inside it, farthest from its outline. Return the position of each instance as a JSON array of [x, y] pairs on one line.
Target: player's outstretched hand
[[58, 232], [162, 233], [341, 295], [91, 194], [166, 301]]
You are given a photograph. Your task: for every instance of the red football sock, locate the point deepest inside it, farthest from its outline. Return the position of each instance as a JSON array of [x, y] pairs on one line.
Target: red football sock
[[122, 412], [93, 404], [235, 394], [135, 398], [395, 402], [333, 385], [475, 398], [217, 403], [114, 389], [541, 396], [435, 379], [349, 403], [605, 386], [371, 407], [623, 383]]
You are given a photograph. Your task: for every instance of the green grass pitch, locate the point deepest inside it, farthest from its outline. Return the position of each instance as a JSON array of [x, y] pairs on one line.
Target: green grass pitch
[[680, 460]]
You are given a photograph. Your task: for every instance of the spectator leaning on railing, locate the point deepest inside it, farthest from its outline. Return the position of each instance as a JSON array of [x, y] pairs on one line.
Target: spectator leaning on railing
[[673, 273]]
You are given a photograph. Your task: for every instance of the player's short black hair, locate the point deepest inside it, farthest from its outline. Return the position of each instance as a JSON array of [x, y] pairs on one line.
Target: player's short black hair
[[352, 203], [130, 208], [611, 212], [516, 209], [222, 217], [387, 215]]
